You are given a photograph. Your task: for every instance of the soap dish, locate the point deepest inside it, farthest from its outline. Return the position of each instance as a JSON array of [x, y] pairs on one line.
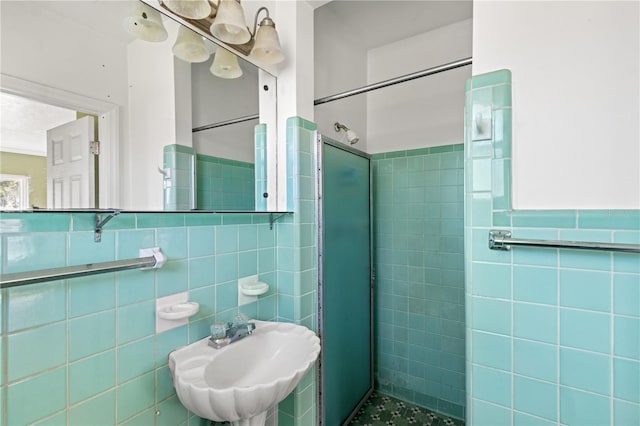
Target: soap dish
[[255, 288], [179, 311]]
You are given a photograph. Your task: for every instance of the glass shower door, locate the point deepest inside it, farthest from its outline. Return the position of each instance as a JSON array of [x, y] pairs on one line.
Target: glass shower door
[[345, 281]]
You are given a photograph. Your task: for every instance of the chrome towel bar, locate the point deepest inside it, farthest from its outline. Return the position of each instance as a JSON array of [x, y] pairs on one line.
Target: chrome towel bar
[[501, 240], [155, 260]]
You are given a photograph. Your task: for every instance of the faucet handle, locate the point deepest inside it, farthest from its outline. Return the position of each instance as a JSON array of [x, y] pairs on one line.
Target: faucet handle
[[240, 319], [219, 330]]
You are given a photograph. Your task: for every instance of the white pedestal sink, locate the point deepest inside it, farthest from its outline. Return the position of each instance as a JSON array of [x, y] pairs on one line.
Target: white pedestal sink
[[240, 382]]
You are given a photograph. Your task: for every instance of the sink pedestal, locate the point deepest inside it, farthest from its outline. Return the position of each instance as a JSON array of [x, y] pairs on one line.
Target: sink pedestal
[[258, 420]]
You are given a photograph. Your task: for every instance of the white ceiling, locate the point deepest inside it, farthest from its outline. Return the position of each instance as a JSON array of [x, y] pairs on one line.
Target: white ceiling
[[373, 23], [24, 124]]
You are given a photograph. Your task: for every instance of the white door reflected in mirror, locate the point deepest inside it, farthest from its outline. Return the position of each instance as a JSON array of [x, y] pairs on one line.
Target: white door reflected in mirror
[[71, 165]]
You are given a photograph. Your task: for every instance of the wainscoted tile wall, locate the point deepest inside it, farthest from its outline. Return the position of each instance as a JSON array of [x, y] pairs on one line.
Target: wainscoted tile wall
[[298, 260], [105, 324], [224, 184], [85, 351], [261, 159], [179, 177], [419, 291], [553, 336]]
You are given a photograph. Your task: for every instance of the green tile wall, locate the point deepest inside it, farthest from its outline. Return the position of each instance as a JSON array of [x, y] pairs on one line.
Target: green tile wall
[[553, 336], [179, 179], [224, 184], [109, 329], [261, 159], [85, 351], [298, 260], [419, 289]]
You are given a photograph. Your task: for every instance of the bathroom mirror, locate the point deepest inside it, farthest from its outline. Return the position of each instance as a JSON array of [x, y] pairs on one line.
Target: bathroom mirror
[[142, 100]]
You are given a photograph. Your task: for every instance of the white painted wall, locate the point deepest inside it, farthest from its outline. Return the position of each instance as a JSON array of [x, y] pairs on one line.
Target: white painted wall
[[158, 83], [576, 97], [340, 65], [424, 112], [294, 22]]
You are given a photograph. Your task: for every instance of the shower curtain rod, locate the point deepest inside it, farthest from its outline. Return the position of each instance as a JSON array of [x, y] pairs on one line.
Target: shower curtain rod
[[226, 123], [386, 83], [368, 88]]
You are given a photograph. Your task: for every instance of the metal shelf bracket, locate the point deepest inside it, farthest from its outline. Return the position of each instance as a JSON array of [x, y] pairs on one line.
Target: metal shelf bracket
[[100, 222]]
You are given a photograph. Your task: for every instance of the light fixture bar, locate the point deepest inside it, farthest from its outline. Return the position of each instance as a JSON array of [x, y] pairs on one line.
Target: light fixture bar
[[397, 80], [205, 23], [255, 20]]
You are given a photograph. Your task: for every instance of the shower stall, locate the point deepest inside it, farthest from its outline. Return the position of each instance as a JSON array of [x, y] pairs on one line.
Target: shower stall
[[403, 95], [345, 280]]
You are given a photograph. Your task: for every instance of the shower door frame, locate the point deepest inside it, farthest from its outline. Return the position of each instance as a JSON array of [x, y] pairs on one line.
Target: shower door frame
[[320, 141]]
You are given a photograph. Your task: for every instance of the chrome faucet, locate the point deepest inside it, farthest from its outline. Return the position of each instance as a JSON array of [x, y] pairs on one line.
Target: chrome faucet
[[224, 334]]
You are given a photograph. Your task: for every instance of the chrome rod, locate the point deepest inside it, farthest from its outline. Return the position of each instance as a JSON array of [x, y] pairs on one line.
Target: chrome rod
[[385, 83], [501, 240], [397, 80], [33, 277], [226, 123]]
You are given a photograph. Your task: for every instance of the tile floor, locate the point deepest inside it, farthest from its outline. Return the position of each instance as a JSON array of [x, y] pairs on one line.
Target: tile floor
[[383, 410]]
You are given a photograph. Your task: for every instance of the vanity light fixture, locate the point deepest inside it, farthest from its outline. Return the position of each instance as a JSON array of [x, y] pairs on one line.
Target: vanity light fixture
[[267, 44], [229, 24], [192, 9], [145, 23], [225, 64], [225, 20], [189, 46]]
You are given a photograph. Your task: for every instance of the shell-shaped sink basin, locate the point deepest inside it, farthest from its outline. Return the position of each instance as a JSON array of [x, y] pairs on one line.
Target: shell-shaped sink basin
[[241, 381]]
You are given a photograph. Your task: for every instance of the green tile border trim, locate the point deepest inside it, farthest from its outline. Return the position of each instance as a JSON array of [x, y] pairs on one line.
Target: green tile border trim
[[505, 216], [30, 222], [420, 151], [179, 148], [609, 219], [493, 78], [42, 221], [301, 122], [260, 128], [225, 161]]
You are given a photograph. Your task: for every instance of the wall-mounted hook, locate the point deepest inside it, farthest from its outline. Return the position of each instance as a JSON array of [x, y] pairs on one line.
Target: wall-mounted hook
[[481, 117], [165, 172]]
